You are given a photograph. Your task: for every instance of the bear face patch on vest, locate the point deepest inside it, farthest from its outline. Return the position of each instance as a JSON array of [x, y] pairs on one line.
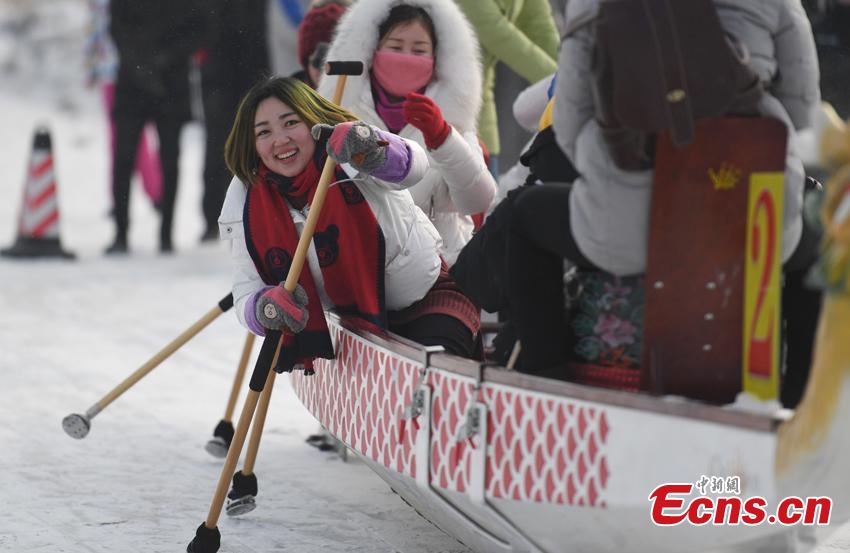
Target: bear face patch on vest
[[278, 262], [327, 248]]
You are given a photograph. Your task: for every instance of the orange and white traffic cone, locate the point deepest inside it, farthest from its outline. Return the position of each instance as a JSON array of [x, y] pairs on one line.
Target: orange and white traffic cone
[[38, 224]]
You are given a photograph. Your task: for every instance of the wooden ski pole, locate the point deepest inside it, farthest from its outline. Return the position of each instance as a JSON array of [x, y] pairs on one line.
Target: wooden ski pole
[[78, 426], [223, 433], [207, 536], [257, 428], [243, 490]]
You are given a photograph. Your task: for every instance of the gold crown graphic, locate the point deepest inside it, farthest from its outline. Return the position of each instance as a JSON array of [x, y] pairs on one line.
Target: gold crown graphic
[[726, 177]]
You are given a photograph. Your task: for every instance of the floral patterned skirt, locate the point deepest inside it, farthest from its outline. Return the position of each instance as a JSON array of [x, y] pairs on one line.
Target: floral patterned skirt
[[605, 320]]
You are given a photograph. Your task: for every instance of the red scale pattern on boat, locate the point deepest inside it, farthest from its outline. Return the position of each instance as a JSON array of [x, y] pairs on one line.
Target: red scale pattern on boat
[[545, 450], [451, 398], [360, 397], [538, 448]]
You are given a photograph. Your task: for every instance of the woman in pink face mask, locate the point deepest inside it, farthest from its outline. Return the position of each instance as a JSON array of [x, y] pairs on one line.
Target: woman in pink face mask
[[404, 62], [424, 84]]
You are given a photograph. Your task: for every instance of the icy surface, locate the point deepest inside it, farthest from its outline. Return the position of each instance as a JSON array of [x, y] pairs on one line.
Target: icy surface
[[72, 330]]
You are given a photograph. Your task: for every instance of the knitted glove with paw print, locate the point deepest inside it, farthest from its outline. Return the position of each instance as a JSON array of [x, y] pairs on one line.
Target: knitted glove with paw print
[[355, 143], [278, 309]]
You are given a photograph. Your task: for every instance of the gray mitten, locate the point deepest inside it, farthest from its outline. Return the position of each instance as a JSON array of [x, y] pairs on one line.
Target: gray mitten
[[356, 143], [277, 309]]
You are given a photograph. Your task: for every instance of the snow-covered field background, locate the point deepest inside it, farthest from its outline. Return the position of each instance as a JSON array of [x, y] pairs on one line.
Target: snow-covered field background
[[72, 330]]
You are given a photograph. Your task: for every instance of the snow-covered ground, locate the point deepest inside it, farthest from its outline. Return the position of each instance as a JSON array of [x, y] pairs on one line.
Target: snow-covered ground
[[72, 330]]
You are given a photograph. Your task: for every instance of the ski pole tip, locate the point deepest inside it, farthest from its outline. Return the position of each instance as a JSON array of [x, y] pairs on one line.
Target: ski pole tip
[[76, 426]]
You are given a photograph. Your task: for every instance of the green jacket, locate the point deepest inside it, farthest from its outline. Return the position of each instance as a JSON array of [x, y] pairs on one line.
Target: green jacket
[[519, 33]]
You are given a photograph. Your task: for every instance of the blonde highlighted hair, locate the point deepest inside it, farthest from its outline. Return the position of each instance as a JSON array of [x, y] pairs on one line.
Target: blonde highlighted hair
[[240, 152]]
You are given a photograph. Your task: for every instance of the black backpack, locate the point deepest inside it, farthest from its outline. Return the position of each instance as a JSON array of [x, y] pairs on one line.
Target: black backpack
[[658, 66]]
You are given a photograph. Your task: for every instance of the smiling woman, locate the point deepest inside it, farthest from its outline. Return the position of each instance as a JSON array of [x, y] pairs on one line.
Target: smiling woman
[[283, 140], [374, 254], [285, 105]]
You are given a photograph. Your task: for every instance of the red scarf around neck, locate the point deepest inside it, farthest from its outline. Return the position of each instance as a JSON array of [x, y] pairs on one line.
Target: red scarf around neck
[[297, 190], [348, 242]]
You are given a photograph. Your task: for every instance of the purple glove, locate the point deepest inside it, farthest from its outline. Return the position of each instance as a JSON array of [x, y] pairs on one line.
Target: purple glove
[[277, 309]]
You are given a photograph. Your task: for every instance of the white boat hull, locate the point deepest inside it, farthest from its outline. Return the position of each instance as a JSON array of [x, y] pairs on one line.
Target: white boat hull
[[567, 470]]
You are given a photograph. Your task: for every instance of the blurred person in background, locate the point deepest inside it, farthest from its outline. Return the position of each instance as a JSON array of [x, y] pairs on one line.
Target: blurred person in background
[[234, 57], [102, 64], [830, 21], [522, 35], [314, 38], [281, 20], [154, 40]]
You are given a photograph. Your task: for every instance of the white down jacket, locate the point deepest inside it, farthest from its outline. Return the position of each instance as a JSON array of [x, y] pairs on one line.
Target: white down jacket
[[458, 183], [411, 241], [609, 208]]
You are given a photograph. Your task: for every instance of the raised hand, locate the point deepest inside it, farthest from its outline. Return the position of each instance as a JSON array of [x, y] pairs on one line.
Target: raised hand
[[355, 143], [421, 112]]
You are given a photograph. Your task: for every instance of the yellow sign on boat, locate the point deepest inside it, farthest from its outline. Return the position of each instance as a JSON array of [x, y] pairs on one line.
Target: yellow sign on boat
[[762, 311]]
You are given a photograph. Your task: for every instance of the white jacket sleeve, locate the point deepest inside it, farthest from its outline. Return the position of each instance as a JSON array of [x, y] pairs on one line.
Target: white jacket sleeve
[[798, 85], [461, 164], [246, 280], [782, 52], [530, 104], [573, 94]]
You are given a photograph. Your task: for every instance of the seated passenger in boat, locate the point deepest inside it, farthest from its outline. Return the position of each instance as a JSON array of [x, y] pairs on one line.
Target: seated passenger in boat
[[480, 267], [422, 82], [600, 222], [374, 254]]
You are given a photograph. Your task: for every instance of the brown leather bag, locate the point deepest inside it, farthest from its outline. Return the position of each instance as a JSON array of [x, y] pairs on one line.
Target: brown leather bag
[[660, 65]]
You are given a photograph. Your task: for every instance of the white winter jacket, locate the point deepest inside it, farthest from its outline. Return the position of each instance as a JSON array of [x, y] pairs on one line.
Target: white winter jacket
[[609, 208], [411, 241], [458, 183]]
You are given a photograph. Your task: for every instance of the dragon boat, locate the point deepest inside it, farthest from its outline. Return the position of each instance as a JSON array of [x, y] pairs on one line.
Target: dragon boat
[[505, 461]]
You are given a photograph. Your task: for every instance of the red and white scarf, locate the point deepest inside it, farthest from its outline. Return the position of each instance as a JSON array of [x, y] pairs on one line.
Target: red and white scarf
[[349, 244]]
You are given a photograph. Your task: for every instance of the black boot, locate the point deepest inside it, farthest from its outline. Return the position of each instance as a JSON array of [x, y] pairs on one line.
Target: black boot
[[206, 540], [118, 247], [210, 233], [165, 245]]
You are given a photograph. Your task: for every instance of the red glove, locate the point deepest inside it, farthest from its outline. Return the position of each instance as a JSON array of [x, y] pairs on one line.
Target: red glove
[[421, 112]]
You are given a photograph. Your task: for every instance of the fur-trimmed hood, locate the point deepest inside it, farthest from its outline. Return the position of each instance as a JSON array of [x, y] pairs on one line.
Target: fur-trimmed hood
[[456, 87]]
